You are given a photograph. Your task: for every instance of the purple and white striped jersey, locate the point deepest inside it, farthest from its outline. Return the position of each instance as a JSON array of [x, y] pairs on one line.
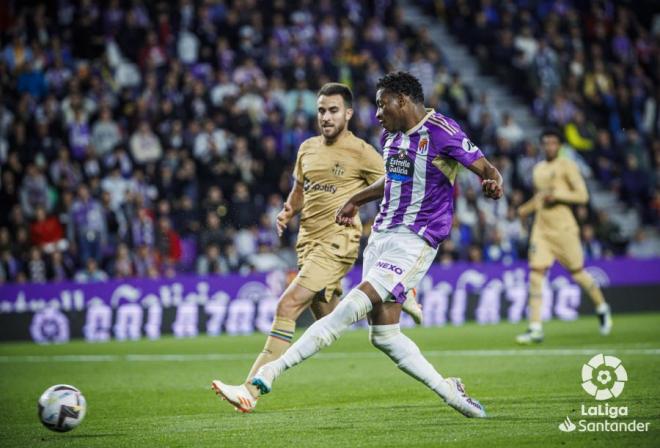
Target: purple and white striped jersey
[[421, 166]]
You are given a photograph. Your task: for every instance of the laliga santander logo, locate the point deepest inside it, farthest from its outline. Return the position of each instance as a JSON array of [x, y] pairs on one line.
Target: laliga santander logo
[[604, 377]]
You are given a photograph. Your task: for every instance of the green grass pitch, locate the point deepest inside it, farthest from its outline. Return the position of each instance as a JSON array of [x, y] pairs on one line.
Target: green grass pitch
[[157, 393]]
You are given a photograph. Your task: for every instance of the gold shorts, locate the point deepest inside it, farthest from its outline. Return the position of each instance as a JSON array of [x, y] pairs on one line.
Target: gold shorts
[[565, 247], [320, 269]]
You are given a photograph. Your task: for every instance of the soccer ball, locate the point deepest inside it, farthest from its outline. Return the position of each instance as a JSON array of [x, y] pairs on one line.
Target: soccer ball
[[62, 408]]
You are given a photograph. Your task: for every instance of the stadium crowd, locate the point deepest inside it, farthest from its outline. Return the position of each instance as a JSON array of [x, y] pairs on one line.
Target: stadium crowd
[[151, 138], [589, 68]]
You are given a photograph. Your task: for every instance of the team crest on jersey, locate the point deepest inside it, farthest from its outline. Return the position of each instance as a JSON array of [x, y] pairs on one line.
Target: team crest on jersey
[[423, 146], [338, 170]]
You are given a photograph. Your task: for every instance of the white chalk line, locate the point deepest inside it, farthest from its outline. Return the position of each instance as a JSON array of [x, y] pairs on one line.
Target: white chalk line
[[330, 355]]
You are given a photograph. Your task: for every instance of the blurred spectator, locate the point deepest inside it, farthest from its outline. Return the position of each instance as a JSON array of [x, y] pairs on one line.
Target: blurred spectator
[[63, 172], [168, 242], [117, 187], [122, 265], [186, 218], [609, 233], [34, 191], [525, 165], [211, 262], [593, 249], [79, 135], [246, 242], [642, 247], [61, 267], [635, 182], [10, 267], [87, 227], [145, 262], [243, 210], [580, 134], [265, 260], [500, 249], [474, 253], [211, 143], [142, 228], [513, 231], [115, 224], [47, 233], [467, 214], [105, 133], [35, 268], [510, 130], [448, 253], [91, 273], [213, 233], [144, 144], [234, 260]]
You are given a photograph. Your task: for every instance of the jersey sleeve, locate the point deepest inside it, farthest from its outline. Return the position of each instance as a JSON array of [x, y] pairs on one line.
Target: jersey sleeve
[[298, 170], [374, 167], [460, 148], [577, 192], [450, 141]]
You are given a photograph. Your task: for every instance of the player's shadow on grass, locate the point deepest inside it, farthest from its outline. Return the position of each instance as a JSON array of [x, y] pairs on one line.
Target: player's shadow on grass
[[81, 436]]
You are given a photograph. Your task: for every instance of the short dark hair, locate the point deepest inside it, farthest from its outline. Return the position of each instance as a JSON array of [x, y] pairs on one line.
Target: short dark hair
[[404, 83], [551, 132], [337, 88]]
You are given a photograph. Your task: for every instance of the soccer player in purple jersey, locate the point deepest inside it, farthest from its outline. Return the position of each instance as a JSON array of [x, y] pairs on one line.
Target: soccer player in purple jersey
[[422, 151]]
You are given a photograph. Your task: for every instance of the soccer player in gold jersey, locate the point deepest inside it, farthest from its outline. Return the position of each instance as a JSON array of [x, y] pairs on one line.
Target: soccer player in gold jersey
[[558, 185], [330, 168]]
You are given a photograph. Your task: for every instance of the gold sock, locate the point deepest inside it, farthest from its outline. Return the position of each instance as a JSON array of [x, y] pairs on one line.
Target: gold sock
[[535, 297], [278, 342], [592, 289]]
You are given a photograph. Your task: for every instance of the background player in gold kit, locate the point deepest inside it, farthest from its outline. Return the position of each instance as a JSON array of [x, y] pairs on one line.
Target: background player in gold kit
[[555, 235], [330, 168]]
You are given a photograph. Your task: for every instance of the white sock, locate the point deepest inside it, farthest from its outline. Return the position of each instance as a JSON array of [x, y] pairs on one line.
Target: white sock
[[602, 308], [325, 331], [407, 356], [536, 326]]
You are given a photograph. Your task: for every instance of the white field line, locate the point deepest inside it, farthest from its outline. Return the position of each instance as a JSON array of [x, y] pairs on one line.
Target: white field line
[[332, 355]]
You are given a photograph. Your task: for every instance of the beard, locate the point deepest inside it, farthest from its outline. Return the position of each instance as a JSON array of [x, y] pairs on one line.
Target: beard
[[333, 131]]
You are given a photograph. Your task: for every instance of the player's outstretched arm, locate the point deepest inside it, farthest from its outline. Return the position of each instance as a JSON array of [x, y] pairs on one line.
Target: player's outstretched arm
[[348, 211], [491, 179], [291, 207]]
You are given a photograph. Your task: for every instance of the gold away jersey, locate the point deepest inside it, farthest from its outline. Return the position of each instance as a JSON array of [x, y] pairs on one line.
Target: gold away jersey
[[562, 178], [555, 235], [330, 175]]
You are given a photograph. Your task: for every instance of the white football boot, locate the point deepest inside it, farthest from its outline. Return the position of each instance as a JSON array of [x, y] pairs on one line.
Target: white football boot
[[530, 337], [412, 307], [238, 396], [459, 400]]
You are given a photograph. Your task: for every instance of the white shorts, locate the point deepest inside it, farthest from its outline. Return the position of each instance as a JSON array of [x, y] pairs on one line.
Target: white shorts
[[396, 261]]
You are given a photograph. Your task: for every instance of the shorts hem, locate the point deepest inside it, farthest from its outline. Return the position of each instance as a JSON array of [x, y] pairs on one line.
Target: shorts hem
[[328, 292]]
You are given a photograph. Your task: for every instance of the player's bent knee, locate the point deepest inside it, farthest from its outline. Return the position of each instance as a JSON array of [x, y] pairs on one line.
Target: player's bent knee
[[290, 306], [381, 336]]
